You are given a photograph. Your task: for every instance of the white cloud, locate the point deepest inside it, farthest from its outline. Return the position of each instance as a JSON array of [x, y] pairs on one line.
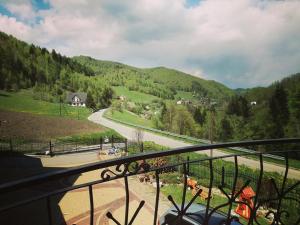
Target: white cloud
[[239, 42], [12, 26], [22, 10]]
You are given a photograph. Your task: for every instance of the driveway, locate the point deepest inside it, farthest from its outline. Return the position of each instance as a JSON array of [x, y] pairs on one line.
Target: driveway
[[129, 133]]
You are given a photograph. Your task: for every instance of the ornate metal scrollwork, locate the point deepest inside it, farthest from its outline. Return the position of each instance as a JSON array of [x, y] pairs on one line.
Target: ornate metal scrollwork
[[122, 170]]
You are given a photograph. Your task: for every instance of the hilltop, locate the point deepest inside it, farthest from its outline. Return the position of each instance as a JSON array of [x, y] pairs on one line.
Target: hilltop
[[159, 97], [160, 81]]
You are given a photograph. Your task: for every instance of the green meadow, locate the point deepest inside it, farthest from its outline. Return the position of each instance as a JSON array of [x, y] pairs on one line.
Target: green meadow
[[129, 117], [23, 101], [134, 96]]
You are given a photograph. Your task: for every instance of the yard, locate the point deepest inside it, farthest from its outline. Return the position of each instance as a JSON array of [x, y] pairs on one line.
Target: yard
[[23, 101]]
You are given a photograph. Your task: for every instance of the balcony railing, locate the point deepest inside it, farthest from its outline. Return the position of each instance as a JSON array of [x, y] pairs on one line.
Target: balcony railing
[[282, 203]]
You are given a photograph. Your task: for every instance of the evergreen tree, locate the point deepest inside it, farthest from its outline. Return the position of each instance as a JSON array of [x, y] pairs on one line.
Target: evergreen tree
[[199, 115], [225, 132], [279, 111], [90, 101]]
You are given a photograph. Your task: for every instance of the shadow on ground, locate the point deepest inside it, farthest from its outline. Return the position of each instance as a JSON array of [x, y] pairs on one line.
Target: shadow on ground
[[14, 166]]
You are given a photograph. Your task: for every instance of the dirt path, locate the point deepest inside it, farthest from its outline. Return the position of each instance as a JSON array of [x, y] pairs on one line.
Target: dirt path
[[129, 132]]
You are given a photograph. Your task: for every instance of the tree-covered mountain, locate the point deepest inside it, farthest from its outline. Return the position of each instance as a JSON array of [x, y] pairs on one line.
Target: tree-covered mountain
[[160, 81], [50, 74], [216, 112], [28, 66], [24, 65]]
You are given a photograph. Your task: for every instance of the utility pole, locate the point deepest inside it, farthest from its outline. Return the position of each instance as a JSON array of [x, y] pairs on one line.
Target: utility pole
[[78, 112], [60, 105], [212, 126]]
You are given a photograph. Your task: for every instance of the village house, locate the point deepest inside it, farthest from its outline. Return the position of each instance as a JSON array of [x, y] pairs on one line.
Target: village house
[[77, 99], [122, 98]]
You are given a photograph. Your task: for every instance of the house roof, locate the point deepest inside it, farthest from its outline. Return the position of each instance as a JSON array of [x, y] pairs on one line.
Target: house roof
[[248, 193], [80, 95]]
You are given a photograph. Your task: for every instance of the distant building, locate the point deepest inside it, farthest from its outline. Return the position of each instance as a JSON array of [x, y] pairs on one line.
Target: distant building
[[179, 102], [77, 99], [122, 98]]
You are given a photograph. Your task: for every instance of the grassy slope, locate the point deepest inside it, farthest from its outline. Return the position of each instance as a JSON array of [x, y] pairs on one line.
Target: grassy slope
[[175, 78], [134, 95], [23, 102], [35, 119], [185, 95], [169, 78], [129, 117]]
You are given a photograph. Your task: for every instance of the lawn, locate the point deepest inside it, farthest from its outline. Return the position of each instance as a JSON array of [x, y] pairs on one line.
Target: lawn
[[134, 96], [23, 101], [293, 163], [185, 95], [129, 117]]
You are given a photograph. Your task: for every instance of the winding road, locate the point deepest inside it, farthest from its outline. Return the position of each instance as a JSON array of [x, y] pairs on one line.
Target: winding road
[[130, 132]]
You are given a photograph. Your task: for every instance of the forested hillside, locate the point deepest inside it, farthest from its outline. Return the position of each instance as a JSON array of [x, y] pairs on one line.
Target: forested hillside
[[161, 82], [166, 98], [28, 66], [50, 74]]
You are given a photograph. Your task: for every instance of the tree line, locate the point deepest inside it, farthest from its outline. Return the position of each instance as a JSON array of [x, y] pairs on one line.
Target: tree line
[[50, 74]]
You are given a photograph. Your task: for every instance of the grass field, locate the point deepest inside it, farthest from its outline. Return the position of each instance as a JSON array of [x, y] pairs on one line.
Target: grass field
[[128, 117], [134, 95], [293, 163], [24, 118], [185, 95], [22, 101]]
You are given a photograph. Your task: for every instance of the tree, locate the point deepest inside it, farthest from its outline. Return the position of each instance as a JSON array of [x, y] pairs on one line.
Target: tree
[[168, 117], [90, 103], [294, 104], [278, 106], [238, 105], [184, 121], [106, 96], [199, 116], [225, 132]]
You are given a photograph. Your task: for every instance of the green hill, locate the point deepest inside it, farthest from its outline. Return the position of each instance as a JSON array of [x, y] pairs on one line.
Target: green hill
[[161, 82]]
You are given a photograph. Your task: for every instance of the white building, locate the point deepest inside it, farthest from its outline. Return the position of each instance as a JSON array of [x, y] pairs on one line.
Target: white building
[[77, 99]]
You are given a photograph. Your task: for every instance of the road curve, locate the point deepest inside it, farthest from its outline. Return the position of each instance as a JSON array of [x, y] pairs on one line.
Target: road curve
[[129, 133]]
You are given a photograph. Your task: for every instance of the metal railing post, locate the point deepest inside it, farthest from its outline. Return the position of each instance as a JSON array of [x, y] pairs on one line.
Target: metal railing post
[[112, 141], [10, 145], [50, 148]]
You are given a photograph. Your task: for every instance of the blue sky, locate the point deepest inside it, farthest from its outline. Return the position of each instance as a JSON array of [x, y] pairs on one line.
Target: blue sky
[[241, 43]]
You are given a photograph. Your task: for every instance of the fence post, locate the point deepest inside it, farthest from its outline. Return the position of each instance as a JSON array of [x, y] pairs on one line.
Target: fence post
[[50, 148], [188, 165], [112, 141], [101, 143], [10, 145], [126, 145], [142, 147]]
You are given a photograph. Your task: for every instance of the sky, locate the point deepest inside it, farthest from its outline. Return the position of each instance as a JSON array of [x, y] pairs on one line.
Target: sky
[[240, 43]]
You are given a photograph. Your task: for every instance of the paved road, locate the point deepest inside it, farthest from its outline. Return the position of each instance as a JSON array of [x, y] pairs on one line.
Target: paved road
[[129, 133]]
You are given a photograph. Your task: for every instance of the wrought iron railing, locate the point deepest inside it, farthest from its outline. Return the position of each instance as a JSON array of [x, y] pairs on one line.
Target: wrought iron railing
[[56, 147], [285, 194]]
